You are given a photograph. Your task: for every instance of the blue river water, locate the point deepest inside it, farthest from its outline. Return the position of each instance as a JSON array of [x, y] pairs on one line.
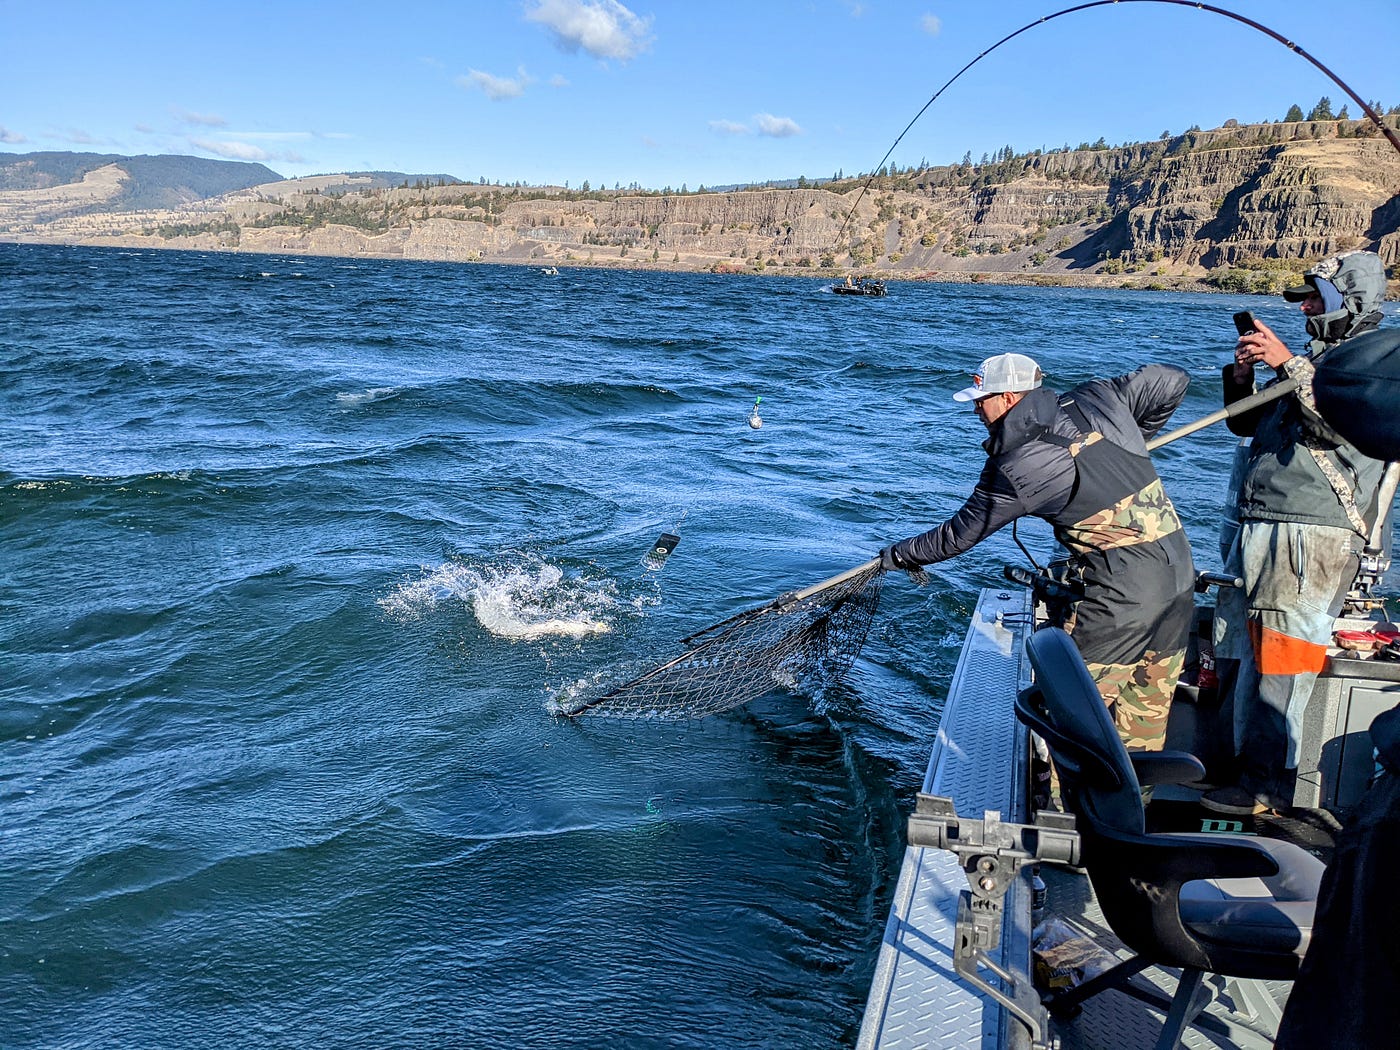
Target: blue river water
[[297, 554]]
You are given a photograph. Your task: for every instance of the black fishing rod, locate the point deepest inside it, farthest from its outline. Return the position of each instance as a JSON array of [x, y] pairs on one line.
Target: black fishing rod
[[1385, 130]]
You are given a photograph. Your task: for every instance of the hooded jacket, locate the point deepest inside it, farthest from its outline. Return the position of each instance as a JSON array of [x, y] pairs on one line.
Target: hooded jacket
[[1294, 450], [1080, 462]]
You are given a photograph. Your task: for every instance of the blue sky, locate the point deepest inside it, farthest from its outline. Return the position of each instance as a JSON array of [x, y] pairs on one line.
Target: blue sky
[[656, 92]]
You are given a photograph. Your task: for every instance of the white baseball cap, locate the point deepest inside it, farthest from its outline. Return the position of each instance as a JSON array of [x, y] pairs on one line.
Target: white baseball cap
[[1002, 374]]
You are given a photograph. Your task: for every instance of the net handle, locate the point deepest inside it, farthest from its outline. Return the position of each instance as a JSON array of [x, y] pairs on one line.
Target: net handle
[[1253, 401], [784, 600], [835, 581]]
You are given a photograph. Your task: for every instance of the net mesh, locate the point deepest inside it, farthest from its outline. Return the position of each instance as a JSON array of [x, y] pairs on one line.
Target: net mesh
[[795, 640]]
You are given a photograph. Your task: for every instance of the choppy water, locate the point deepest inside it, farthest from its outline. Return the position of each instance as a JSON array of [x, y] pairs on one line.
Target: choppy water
[[295, 553]]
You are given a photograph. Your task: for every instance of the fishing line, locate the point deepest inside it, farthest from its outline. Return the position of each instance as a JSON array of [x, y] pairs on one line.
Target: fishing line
[[1385, 130]]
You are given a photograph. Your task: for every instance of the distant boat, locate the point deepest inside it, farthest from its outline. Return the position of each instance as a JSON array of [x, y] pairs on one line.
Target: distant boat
[[550, 271], [860, 286]]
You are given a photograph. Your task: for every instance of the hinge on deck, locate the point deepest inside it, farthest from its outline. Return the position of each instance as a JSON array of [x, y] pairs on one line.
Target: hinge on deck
[[992, 854]]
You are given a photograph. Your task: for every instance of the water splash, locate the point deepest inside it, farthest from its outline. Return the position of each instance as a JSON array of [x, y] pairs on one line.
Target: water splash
[[570, 697], [521, 602]]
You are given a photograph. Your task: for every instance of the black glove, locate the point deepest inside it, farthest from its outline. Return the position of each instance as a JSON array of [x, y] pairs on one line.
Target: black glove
[[890, 561]]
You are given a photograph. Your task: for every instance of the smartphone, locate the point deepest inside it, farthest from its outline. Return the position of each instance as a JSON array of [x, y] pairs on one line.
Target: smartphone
[[1244, 322]]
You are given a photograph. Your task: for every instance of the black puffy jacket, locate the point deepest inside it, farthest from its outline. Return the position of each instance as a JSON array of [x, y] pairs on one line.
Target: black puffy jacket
[[1357, 393], [1026, 474], [1080, 462]]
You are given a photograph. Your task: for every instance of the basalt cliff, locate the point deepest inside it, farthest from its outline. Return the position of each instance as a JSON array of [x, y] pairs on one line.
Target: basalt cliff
[[1243, 207]]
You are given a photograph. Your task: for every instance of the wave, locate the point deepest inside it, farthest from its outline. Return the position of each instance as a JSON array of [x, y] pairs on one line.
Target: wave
[[263, 275], [519, 602], [367, 396]]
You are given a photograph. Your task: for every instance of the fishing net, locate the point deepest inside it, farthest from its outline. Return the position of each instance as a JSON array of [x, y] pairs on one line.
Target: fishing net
[[810, 635]]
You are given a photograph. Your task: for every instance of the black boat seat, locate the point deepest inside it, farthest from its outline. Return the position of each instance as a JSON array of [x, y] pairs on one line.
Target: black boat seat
[[1234, 905], [1273, 913]]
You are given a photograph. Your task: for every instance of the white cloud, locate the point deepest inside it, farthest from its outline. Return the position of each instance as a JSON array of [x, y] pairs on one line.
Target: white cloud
[[602, 28], [11, 137], [495, 88], [231, 150], [776, 127], [762, 124], [558, 81], [931, 24], [270, 136], [208, 120]]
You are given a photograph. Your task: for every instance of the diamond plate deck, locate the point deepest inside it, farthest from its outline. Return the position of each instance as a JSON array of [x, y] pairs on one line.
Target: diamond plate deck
[[978, 760], [1114, 1020], [916, 1000]]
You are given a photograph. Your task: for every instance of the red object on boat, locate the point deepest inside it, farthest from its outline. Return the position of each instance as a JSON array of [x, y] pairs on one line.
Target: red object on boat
[[1366, 641]]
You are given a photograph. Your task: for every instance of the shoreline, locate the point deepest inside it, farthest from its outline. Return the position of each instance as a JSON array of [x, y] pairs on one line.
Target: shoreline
[[1010, 278], [1061, 279]]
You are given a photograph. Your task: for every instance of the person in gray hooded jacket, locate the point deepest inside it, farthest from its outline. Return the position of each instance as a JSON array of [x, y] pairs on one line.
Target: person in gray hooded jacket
[[1305, 505]]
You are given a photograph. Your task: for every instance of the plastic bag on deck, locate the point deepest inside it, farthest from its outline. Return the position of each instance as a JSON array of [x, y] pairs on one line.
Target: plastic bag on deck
[[1064, 958]]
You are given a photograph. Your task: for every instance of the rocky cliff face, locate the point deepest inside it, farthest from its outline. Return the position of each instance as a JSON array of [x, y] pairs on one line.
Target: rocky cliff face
[[1288, 201], [1254, 196]]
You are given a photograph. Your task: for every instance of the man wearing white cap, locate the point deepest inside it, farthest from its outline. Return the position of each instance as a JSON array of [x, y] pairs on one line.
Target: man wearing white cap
[[1080, 462]]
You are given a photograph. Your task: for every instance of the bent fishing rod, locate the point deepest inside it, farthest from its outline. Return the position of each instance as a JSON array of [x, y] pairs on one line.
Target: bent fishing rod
[[1366, 108], [1264, 396]]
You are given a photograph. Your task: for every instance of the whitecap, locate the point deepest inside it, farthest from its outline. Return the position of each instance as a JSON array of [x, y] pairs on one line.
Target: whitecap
[[367, 396]]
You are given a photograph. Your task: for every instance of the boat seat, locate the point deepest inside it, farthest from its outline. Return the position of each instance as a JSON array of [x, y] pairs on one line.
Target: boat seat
[[1233, 905]]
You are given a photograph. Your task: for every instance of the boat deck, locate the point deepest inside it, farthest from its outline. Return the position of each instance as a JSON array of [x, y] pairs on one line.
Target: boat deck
[[1242, 1015], [979, 760]]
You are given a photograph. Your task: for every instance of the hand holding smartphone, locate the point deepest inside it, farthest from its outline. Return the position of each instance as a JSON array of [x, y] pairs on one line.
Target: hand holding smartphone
[[1244, 363]]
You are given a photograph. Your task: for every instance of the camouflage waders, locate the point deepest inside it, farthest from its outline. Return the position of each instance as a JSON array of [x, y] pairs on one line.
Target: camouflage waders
[[1129, 551], [1139, 696]]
